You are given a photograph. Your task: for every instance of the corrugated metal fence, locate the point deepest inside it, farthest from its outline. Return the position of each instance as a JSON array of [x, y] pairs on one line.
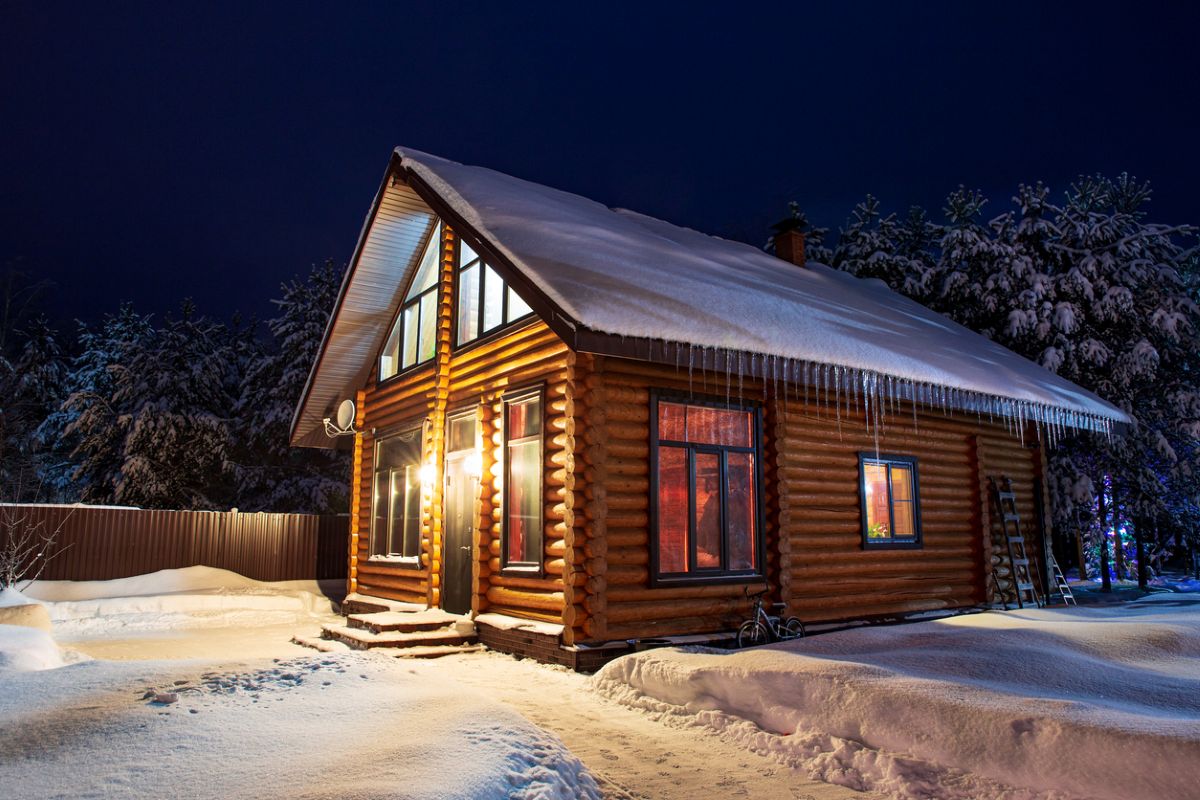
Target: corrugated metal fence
[[104, 542]]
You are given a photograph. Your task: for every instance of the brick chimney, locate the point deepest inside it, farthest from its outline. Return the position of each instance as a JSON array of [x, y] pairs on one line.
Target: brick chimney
[[789, 245]]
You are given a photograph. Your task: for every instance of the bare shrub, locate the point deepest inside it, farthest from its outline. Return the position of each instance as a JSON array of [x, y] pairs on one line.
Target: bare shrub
[[27, 545]]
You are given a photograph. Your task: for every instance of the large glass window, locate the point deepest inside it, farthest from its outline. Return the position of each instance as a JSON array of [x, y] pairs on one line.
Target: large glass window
[[485, 303], [522, 534], [891, 507], [396, 501], [707, 491], [413, 339]]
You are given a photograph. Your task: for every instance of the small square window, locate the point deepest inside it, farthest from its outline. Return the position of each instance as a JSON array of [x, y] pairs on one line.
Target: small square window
[[891, 508]]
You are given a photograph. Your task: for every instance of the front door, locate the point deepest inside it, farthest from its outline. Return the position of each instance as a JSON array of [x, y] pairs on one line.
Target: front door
[[462, 490]]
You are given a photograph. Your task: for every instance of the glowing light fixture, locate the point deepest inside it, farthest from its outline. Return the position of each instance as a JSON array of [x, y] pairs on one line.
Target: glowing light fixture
[[428, 475], [473, 464]]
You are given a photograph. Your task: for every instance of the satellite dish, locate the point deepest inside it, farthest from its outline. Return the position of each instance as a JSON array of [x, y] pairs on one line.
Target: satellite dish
[[345, 421], [345, 415]]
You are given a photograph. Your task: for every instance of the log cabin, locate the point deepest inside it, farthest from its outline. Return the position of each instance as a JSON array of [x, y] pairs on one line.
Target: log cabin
[[588, 428]]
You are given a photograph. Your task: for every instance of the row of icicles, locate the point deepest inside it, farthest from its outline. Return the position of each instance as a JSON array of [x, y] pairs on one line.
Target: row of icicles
[[878, 396]]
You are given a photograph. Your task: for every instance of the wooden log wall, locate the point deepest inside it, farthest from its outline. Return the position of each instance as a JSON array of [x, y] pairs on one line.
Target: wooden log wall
[[386, 408], [1002, 454], [814, 556], [532, 356], [478, 377], [616, 470], [831, 575]]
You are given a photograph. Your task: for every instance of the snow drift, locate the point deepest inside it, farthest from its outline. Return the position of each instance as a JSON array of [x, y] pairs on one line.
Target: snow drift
[[1089, 702], [187, 597]]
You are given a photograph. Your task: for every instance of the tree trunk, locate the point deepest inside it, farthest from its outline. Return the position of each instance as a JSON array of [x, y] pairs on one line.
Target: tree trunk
[[1102, 513], [1081, 550], [1140, 540], [1118, 544]]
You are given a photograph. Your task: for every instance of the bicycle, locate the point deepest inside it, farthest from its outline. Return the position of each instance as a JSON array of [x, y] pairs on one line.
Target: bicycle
[[762, 627]]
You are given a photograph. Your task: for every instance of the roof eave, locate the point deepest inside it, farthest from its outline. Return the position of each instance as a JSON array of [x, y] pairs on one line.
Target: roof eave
[[307, 440]]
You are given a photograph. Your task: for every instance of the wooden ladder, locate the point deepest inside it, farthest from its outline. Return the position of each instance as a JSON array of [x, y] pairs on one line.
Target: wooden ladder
[[1061, 587], [1005, 501]]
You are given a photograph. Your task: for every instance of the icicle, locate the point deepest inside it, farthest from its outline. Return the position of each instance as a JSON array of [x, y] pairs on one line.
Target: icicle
[[691, 365], [837, 397], [741, 373], [822, 389], [872, 394], [867, 409]]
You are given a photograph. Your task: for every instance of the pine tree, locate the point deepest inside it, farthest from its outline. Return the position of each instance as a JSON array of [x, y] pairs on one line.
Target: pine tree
[[31, 387], [272, 476], [174, 392], [88, 430]]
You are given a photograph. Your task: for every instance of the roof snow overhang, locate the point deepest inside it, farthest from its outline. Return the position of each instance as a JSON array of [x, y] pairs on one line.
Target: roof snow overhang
[[613, 282]]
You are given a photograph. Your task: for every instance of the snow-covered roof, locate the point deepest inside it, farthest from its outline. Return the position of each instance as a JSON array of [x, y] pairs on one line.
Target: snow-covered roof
[[623, 273], [609, 276]]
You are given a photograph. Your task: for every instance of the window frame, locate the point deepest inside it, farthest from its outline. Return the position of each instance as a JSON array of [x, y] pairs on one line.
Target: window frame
[[416, 427], [917, 541], [438, 230], [483, 336], [523, 568], [707, 577]]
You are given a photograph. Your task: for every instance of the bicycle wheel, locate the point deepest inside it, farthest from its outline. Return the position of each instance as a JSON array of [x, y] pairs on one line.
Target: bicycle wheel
[[792, 628], [752, 634]]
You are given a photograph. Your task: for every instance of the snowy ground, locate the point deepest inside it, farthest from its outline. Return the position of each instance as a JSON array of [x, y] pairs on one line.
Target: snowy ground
[[1080, 702], [241, 712], [1061, 703]]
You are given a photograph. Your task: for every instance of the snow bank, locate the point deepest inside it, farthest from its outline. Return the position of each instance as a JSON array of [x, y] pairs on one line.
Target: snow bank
[[623, 273], [11, 597], [188, 580], [315, 727], [25, 649], [1092, 702], [171, 598]]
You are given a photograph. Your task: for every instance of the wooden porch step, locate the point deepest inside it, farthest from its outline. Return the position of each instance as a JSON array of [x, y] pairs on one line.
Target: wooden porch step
[[356, 603], [407, 622], [323, 645], [361, 639], [433, 651]]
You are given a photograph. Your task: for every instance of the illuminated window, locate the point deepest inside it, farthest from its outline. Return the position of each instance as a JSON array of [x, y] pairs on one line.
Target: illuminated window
[[707, 492], [891, 508], [396, 501], [521, 539], [413, 339], [485, 302]]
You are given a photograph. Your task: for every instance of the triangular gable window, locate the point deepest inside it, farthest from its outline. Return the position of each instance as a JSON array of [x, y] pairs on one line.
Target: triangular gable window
[[413, 339], [485, 302]]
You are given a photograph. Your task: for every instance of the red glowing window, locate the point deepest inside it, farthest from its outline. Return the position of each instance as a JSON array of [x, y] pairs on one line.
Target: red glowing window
[[707, 491], [522, 498]]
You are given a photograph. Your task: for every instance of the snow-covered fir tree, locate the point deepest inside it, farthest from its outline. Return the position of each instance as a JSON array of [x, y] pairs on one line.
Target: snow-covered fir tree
[[272, 476], [31, 387], [174, 393], [88, 429], [1087, 288]]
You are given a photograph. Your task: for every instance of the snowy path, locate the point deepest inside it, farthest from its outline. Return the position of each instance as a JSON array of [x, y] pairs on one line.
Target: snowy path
[[631, 754], [319, 726]]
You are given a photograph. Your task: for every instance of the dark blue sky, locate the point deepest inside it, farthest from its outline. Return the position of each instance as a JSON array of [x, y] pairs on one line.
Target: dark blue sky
[[155, 152]]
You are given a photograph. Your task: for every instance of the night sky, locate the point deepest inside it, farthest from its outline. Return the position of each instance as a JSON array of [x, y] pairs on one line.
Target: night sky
[[151, 153]]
